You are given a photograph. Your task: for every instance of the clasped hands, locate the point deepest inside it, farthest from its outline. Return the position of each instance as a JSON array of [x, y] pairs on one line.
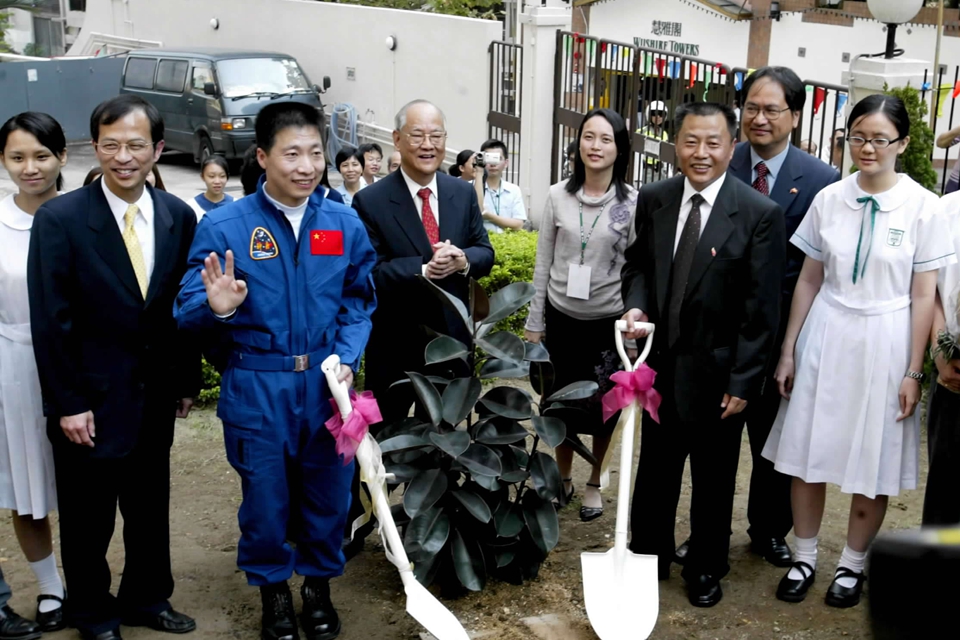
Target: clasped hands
[[447, 259], [731, 405]]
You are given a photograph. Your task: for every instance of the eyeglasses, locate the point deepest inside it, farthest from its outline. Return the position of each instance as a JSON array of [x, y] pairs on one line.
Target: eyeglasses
[[876, 143], [770, 113], [112, 148], [416, 139]]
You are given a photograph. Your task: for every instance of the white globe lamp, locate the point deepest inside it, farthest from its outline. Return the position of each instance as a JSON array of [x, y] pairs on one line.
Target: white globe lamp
[[893, 12]]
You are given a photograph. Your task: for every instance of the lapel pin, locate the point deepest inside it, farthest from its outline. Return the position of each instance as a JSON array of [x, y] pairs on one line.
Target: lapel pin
[[794, 190], [713, 252]]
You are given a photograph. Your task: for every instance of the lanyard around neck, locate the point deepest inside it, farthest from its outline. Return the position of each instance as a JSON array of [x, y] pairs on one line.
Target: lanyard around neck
[[584, 239]]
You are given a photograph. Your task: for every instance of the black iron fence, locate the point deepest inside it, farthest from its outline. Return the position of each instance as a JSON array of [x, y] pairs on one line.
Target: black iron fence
[[939, 93], [503, 117]]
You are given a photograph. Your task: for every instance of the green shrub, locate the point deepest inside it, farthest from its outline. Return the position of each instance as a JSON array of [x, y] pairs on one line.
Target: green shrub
[[516, 255], [915, 161], [210, 388]]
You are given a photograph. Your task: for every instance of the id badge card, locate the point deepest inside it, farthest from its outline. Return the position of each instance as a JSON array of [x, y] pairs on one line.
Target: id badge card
[[578, 281]]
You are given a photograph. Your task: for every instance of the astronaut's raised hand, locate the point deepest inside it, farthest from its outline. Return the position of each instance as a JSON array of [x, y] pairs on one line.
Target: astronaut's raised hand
[[224, 292]]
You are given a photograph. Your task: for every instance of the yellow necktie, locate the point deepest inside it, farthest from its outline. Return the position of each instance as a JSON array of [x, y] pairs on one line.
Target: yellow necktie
[[133, 248]]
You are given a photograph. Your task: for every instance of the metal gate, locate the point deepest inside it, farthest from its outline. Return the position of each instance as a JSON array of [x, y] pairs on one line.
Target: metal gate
[[503, 117], [942, 91]]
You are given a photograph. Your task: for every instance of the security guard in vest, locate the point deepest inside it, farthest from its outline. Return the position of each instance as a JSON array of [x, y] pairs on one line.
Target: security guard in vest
[[656, 116]]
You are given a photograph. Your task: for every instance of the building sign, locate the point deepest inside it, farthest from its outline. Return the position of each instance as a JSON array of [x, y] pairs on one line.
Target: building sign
[[663, 28]]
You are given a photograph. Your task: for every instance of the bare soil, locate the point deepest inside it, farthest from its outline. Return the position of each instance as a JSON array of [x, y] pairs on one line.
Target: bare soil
[[206, 495]]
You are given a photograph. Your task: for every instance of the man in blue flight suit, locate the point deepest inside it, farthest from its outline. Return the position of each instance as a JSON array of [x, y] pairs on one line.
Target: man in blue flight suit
[[295, 287]]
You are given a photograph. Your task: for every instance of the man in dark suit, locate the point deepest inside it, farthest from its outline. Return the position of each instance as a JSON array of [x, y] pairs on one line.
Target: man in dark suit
[[706, 269], [104, 269], [422, 223]]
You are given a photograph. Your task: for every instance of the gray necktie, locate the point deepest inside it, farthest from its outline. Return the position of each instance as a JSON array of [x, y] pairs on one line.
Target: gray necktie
[[682, 261]]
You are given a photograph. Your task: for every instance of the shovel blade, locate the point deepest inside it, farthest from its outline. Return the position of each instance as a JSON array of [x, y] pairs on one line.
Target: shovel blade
[[621, 594], [431, 614]]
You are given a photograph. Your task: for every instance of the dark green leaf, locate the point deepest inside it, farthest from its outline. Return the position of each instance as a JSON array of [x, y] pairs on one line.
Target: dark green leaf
[[575, 391], [520, 455], [508, 520], [509, 402], [459, 398], [444, 348], [427, 533], [490, 483], [453, 443], [507, 301], [503, 345], [479, 302], [535, 352], [481, 460], [501, 431], [416, 457], [408, 426], [450, 301], [429, 396], [426, 569], [545, 475], [484, 330], [424, 491], [400, 517], [542, 522], [577, 445], [402, 443], [474, 504], [505, 557], [517, 475], [403, 472], [437, 380], [468, 562], [494, 368], [551, 430], [542, 376]]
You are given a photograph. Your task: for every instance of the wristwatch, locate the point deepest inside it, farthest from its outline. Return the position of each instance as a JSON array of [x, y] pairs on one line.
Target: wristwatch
[[916, 375]]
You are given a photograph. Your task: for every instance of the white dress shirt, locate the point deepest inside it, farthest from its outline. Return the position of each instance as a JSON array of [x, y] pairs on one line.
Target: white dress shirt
[[142, 224], [293, 214], [418, 201], [709, 196], [507, 201]]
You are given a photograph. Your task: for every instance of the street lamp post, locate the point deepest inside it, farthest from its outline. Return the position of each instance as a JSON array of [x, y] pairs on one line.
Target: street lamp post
[[893, 13]]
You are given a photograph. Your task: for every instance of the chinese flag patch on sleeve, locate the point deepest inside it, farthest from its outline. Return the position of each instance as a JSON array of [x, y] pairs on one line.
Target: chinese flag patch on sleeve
[[326, 243]]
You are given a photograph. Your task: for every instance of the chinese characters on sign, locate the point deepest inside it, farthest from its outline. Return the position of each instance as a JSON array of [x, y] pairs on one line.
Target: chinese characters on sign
[[669, 29]]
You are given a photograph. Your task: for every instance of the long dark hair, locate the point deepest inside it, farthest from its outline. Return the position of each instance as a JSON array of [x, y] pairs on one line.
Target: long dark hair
[[44, 128], [621, 136]]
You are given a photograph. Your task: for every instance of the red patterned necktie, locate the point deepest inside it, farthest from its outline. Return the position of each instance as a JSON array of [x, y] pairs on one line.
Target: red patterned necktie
[[429, 220], [760, 184]]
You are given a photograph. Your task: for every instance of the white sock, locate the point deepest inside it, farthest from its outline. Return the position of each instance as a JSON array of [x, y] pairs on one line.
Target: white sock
[[48, 579], [852, 560], [804, 550]]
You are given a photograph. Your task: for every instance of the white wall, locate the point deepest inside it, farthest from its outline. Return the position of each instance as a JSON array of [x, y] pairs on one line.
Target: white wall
[[438, 58], [720, 40]]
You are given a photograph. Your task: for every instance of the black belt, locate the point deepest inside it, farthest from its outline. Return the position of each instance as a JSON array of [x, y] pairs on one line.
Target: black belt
[[257, 362]]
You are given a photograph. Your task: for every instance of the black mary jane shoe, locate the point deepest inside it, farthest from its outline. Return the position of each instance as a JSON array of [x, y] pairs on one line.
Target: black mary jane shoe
[[845, 597], [13, 626], [564, 498], [790, 590], [591, 513], [50, 621]]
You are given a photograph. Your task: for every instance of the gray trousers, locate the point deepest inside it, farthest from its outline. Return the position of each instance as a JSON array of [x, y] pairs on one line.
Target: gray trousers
[[4, 590]]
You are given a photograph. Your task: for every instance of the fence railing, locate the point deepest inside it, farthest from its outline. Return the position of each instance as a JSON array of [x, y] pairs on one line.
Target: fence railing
[[937, 93], [503, 118]]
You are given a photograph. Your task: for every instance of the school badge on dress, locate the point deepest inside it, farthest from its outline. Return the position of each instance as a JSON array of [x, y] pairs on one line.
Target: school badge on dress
[[895, 237], [262, 245]]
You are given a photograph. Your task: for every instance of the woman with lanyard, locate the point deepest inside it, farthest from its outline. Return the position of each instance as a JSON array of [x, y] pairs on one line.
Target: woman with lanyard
[[851, 363], [587, 223]]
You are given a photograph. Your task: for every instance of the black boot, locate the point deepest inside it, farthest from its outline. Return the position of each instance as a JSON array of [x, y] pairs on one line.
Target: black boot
[[279, 616], [13, 626], [319, 619]]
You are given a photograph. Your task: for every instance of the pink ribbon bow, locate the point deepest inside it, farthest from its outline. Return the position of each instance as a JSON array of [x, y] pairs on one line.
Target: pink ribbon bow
[[630, 387], [349, 434]]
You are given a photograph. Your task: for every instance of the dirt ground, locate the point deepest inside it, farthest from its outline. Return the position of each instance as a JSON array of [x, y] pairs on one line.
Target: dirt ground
[[206, 494]]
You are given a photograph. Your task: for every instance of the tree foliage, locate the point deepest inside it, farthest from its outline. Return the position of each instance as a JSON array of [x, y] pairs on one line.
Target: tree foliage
[[915, 161]]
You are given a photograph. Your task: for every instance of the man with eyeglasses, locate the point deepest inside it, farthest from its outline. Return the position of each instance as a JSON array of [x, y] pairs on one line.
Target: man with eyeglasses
[[772, 105], [103, 271]]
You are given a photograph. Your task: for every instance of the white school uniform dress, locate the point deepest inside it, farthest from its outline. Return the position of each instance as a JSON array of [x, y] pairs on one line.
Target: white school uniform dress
[[27, 481], [840, 425]]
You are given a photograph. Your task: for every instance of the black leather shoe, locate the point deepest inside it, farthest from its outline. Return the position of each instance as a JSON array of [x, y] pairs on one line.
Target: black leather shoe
[[279, 618], [112, 634], [683, 551], [845, 597], [776, 551], [13, 626], [564, 498], [53, 620], [168, 621], [790, 590], [319, 619], [591, 513], [704, 591]]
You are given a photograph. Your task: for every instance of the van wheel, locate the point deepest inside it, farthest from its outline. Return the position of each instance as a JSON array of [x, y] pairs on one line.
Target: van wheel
[[205, 149]]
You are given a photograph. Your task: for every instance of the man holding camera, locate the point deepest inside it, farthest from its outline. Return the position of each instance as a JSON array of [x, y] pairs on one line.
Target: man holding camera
[[502, 201]]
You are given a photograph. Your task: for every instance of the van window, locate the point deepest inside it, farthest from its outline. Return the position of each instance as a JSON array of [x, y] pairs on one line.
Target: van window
[[253, 76], [171, 74], [140, 72], [202, 74]]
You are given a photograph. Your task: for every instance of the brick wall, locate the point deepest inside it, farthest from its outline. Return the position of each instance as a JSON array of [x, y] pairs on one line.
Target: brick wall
[[758, 49], [927, 15]]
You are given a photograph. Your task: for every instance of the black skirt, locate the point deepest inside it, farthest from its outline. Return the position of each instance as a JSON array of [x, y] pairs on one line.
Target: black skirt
[[583, 350]]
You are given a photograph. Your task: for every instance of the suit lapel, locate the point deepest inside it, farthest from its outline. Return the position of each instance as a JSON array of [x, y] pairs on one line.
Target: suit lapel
[[718, 229], [405, 213], [164, 243], [447, 202], [784, 189], [740, 165], [664, 237], [109, 241]]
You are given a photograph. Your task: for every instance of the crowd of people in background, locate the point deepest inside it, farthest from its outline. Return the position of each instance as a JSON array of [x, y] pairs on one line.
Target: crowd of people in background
[[788, 302]]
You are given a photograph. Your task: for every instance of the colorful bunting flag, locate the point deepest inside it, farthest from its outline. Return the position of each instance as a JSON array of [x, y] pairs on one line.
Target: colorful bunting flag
[[738, 80], [693, 75], [841, 103], [819, 95]]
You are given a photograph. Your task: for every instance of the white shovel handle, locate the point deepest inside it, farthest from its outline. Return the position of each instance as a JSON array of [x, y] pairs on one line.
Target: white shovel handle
[[621, 327], [331, 368]]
